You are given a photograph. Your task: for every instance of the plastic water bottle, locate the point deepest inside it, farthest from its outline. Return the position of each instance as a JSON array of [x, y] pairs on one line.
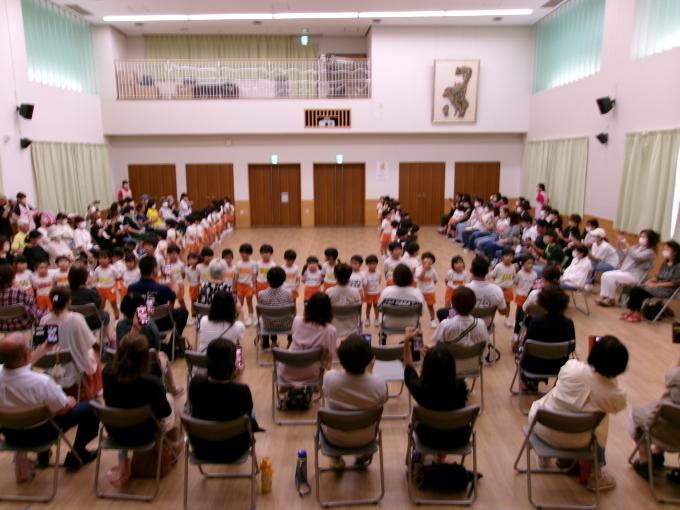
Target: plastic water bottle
[[301, 483]]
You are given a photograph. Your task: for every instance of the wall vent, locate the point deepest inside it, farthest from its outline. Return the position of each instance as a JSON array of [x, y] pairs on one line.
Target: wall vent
[[78, 9], [328, 118]]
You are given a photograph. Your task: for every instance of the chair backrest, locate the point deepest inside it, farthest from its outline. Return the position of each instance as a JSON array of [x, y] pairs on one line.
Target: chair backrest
[[275, 312], [10, 312], [347, 311], [161, 312], [388, 352], [410, 310], [548, 350], [485, 313], [122, 418], [201, 309], [296, 359], [461, 352], [569, 423], [60, 357], [348, 421], [216, 430], [195, 360], [445, 420], [86, 310], [668, 416], [28, 419]]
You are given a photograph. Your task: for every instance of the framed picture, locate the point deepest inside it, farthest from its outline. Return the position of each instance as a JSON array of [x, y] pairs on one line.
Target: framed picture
[[456, 83]]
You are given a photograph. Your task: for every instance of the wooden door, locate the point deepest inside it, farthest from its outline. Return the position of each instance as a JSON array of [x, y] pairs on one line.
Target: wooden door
[[339, 194], [153, 180], [275, 197], [421, 191], [478, 178], [208, 182]]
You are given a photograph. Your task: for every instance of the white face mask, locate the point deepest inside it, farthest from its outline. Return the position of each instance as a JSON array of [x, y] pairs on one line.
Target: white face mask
[[99, 222], [642, 241], [165, 204], [666, 253], [64, 222], [82, 224], [543, 215], [477, 204], [588, 228]]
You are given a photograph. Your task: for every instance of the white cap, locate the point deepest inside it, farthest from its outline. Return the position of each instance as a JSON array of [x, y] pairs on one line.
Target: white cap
[[599, 232]]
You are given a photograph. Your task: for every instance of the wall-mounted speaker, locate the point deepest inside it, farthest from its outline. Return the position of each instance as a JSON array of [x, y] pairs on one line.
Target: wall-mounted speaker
[[26, 110], [603, 138], [25, 142], [605, 104]]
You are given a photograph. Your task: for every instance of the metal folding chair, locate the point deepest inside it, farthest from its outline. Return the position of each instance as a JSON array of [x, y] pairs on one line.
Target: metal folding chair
[[668, 417], [586, 309], [168, 336], [546, 351], [14, 312], [121, 419], [404, 313], [348, 313], [390, 366], [293, 359], [347, 421], [200, 310], [282, 315], [90, 311], [30, 419], [218, 431], [57, 357], [666, 303], [447, 421], [488, 315], [567, 423], [195, 360], [466, 352]]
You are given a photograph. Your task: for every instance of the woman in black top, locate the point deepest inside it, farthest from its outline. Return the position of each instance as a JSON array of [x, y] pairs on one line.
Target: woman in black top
[[436, 389], [216, 397], [83, 295]]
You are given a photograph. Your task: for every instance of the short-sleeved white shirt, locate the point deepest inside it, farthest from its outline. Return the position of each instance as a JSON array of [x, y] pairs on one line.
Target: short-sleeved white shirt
[[22, 389]]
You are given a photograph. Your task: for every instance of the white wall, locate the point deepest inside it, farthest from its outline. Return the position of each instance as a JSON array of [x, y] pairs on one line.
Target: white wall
[[647, 99], [307, 150], [59, 116]]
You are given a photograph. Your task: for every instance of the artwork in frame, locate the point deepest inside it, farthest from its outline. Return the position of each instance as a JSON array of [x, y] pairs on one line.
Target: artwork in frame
[[456, 84]]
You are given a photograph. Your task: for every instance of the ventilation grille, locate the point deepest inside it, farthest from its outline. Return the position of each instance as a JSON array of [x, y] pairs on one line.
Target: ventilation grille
[[328, 119], [78, 9]]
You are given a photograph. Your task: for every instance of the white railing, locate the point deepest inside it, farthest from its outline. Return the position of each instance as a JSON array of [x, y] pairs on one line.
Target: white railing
[[326, 77]]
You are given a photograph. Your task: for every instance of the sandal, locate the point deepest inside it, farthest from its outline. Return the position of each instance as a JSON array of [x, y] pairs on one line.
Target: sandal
[[119, 475], [633, 318], [624, 316]]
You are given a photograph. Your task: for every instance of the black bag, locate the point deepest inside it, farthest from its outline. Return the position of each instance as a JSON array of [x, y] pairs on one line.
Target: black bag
[[650, 311], [298, 399], [444, 477]]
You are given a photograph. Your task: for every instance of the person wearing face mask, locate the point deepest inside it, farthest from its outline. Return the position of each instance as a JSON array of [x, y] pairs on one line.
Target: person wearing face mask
[[473, 222], [588, 238], [661, 286], [636, 262], [82, 239], [56, 247], [602, 254], [166, 211], [576, 275]]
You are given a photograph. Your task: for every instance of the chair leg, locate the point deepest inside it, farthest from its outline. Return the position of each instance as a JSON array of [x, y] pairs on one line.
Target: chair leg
[[514, 378], [97, 463], [317, 471], [186, 474], [382, 468]]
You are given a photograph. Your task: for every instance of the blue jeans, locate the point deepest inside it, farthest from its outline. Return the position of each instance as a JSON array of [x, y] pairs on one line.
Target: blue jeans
[[485, 240], [599, 267], [469, 237], [460, 228], [566, 286]]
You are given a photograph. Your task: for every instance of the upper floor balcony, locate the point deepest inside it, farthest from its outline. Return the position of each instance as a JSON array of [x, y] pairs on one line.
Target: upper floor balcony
[[327, 77]]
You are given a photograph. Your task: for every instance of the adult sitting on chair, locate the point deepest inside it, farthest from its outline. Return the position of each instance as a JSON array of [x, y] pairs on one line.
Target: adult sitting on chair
[[355, 389], [602, 255], [488, 294], [14, 296], [128, 384], [643, 416], [587, 387], [275, 295], [220, 322], [437, 389], [76, 336], [662, 286], [552, 327], [463, 328], [344, 295], [81, 294], [402, 293], [24, 389], [576, 274], [219, 387], [312, 331]]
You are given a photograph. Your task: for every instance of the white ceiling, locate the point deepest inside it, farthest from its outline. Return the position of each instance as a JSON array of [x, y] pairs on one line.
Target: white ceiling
[[345, 27]]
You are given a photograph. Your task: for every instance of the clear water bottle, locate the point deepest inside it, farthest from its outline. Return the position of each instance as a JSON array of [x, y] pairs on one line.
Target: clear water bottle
[[301, 483]]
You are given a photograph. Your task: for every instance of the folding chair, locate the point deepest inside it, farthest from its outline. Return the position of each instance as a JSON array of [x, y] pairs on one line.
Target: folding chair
[[466, 352], [666, 303], [573, 292], [195, 360], [403, 314], [272, 315], [446, 421], [14, 312], [389, 365], [168, 336], [121, 419], [90, 311], [545, 351], [664, 432], [31, 419], [218, 431], [488, 315], [566, 423], [57, 357], [347, 421], [200, 310], [293, 359], [349, 313]]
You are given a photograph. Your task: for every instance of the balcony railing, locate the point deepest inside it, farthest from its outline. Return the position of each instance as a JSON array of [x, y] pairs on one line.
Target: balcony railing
[[327, 77]]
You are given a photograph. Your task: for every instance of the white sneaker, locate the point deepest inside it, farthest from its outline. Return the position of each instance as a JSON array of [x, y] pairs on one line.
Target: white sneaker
[[248, 321], [433, 323], [508, 323], [588, 287], [191, 321], [605, 481]]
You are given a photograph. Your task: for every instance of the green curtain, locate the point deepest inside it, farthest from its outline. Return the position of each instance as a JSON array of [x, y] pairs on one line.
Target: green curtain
[[561, 165], [568, 43], [207, 47], [69, 176], [58, 47], [657, 26], [646, 195]]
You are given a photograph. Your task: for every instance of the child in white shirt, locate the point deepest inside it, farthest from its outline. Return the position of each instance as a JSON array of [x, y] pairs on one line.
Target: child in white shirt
[[105, 278], [22, 275], [42, 282], [426, 279], [173, 273], [246, 272], [372, 288], [328, 268], [503, 275], [311, 277], [263, 267], [390, 263], [229, 269], [61, 273], [204, 266], [130, 275], [292, 282], [356, 279], [194, 281], [455, 277]]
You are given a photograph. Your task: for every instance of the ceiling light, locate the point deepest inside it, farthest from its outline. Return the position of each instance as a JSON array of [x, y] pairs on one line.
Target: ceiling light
[[147, 17], [228, 16], [402, 14], [304, 40], [488, 12], [316, 15]]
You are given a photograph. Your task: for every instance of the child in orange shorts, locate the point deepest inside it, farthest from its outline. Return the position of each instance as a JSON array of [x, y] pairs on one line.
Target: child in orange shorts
[[426, 278], [42, 282], [311, 277], [372, 288], [504, 276], [455, 277], [246, 272], [105, 278], [130, 274], [292, 282], [263, 267]]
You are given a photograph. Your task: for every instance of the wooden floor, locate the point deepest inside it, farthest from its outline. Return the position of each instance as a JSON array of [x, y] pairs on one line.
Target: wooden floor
[[498, 432]]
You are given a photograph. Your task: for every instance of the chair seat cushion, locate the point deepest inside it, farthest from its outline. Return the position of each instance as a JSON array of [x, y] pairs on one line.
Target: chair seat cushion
[[6, 446], [110, 443], [391, 371], [544, 449], [425, 449], [331, 450]]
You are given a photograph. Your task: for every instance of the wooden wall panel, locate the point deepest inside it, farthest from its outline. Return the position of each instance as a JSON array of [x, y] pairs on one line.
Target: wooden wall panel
[[339, 193], [421, 191], [154, 180], [477, 178], [266, 184], [209, 181]]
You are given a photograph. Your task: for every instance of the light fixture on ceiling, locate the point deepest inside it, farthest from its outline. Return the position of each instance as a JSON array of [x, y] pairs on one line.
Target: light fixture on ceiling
[[402, 14], [304, 38], [230, 17], [315, 15], [146, 17], [488, 12]]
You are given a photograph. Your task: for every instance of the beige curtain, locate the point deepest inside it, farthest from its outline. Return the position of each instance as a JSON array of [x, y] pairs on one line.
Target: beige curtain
[[69, 176], [206, 47], [561, 165], [646, 195]]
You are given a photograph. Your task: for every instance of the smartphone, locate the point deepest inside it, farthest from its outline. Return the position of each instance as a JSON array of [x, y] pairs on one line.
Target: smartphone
[[239, 357], [452, 313], [49, 334], [150, 305], [52, 334], [142, 314], [368, 338], [418, 342]]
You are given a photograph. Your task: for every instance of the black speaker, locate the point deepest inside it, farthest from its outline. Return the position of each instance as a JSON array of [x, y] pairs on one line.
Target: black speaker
[[605, 104], [603, 138], [26, 110], [25, 142]]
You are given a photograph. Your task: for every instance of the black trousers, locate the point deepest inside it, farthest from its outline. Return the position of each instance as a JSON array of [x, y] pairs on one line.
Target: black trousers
[[636, 297]]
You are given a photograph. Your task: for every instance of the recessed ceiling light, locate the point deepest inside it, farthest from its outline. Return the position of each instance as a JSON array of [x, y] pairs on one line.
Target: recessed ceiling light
[[257, 22], [402, 14], [498, 18], [489, 12], [316, 15], [147, 17]]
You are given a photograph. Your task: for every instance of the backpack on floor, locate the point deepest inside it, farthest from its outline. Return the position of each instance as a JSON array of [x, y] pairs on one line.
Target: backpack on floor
[[298, 399], [444, 477]]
